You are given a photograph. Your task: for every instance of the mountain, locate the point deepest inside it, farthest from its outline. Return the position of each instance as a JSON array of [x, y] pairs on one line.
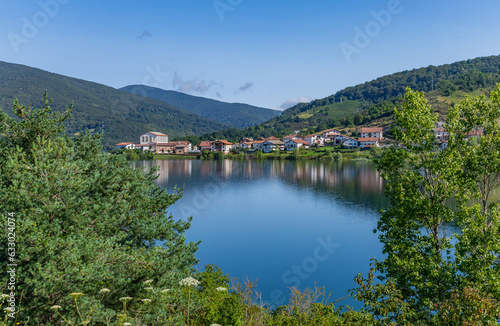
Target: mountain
[[121, 116], [372, 103], [236, 114]]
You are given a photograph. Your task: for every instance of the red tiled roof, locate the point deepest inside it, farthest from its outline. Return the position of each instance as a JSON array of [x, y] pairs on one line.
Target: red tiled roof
[[272, 138], [311, 135], [225, 142], [157, 133], [124, 143], [292, 136], [206, 143], [373, 129]]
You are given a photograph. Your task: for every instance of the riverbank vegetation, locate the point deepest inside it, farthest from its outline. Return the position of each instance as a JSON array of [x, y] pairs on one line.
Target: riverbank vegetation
[[87, 225]]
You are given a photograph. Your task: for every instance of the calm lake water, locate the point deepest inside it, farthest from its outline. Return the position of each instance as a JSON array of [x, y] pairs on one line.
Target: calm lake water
[[285, 223]]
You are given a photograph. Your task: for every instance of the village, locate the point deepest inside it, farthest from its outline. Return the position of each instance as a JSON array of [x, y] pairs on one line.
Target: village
[[158, 142]]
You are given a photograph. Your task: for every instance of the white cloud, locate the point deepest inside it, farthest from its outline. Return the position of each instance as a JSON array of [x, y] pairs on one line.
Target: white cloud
[[293, 101]]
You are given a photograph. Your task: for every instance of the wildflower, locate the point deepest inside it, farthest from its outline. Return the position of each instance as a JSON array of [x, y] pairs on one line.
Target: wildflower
[[189, 281], [165, 291], [86, 322], [3, 296], [221, 289], [147, 282], [127, 324], [76, 295], [146, 300], [105, 290], [55, 307], [125, 299], [215, 325], [149, 288]]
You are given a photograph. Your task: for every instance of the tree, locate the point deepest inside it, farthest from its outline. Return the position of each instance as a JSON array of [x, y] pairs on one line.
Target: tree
[[428, 268], [85, 220]]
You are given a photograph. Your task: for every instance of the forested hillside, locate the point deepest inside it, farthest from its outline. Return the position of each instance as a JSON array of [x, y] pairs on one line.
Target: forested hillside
[[236, 114], [372, 103], [121, 116]]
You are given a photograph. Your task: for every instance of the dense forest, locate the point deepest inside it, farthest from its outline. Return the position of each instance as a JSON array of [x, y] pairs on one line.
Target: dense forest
[[236, 114], [367, 103]]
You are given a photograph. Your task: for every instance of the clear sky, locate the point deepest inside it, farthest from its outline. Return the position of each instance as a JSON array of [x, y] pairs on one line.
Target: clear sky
[[267, 53]]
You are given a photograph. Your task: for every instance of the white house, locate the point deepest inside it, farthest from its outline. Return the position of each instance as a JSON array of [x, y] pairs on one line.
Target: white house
[[331, 135], [339, 140], [128, 145], [350, 143], [153, 137], [311, 139], [368, 142], [258, 145], [372, 132], [272, 145], [222, 146], [206, 145], [296, 143], [286, 139]]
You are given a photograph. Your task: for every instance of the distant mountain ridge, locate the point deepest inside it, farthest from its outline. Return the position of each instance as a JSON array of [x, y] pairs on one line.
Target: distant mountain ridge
[[121, 116], [236, 114]]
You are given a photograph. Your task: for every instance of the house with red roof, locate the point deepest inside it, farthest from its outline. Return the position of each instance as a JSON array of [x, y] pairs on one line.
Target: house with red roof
[[373, 132], [222, 146], [368, 142], [129, 145], [296, 143]]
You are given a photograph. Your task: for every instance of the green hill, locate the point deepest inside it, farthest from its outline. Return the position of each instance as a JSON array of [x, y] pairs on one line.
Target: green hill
[[372, 103], [236, 114], [121, 116]]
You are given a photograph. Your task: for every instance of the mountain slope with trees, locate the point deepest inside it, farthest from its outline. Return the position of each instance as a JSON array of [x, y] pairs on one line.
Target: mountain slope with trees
[[372, 103], [236, 114], [119, 115]]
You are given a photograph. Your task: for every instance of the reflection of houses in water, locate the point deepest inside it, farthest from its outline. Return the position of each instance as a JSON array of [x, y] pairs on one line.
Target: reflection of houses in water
[[346, 178], [350, 180]]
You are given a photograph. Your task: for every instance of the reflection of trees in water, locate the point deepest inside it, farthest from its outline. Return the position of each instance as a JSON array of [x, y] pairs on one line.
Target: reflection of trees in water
[[352, 181]]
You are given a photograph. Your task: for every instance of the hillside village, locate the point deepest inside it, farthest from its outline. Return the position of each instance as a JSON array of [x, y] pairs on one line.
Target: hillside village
[[158, 142]]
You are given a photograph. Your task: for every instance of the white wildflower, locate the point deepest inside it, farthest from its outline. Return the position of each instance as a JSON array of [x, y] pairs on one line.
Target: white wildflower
[[221, 289], [215, 325], [147, 282], [146, 300], [125, 299], [189, 281], [55, 307], [127, 324], [105, 290], [149, 288], [165, 291], [76, 295]]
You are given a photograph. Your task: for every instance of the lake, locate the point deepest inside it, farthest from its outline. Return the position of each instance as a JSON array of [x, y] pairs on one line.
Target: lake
[[285, 223]]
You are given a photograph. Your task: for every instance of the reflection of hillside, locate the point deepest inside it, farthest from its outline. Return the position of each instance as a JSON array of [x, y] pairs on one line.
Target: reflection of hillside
[[351, 181]]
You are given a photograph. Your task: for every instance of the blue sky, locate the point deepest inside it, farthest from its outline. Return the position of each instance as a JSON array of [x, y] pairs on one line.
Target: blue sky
[[265, 53]]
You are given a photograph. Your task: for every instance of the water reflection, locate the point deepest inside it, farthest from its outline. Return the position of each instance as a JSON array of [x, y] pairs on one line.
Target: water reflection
[[350, 181], [266, 219]]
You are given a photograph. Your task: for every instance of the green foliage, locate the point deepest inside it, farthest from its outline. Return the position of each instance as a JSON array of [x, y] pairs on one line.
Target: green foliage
[[235, 114], [432, 275], [85, 220]]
